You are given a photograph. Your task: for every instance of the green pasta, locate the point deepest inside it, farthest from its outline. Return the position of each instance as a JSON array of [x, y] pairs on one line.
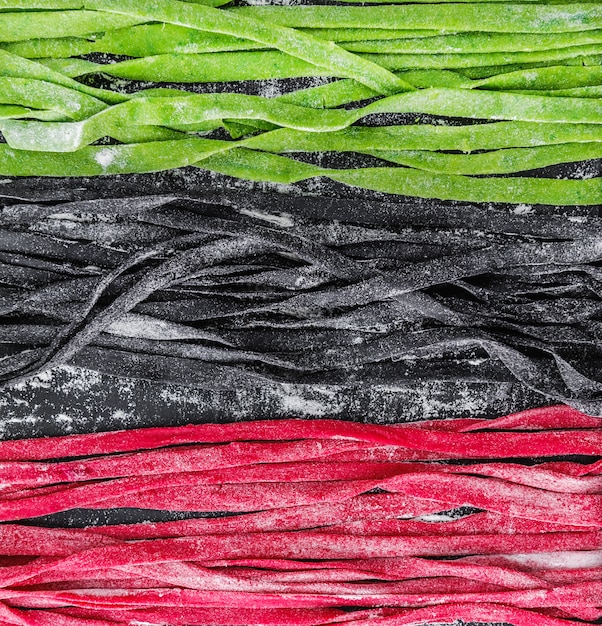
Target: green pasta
[[477, 43], [68, 99], [264, 167], [345, 91], [493, 136], [261, 65], [155, 39], [10, 111], [99, 160], [37, 94], [363, 34], [454, 1], [531, 71], [502, 17], [260, 166], [297, 44], [516, 190], [39, 5], [41, 24], [12, 65], [55, 5], [457, 61], [550, 144], [496, 162], [592, 91], [553, 77], [152, 39], [192, 109]]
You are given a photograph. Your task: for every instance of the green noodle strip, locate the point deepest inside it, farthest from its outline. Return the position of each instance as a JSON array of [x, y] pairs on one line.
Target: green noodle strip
[[190, 110], [409, 145], [516, 190], [361, 34], [12, 65], [73, 67], [169, 112], [299, 45], [262, 167], [448, 79], [55, 5], [259, 166], [98, 160], [544, 78], [142, 134], [497, 162], [41, 24], [197, 68], [141, 41], [486, 72], [135, 158], [39, 5], [261, 65], [502, 17], [265, 167], [90, 100], [211, 3], [470, 43], [456, 61], [330, 95], [10, 112], [469, 138], [26, 80], [51, 48], [459, 1], [595, 91], [345, 91], [152, 39], [37, 94], [488, 105]]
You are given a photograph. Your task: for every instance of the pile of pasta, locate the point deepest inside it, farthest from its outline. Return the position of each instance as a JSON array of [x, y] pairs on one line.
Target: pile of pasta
[[248, 292], [299, 522], [474, 101]]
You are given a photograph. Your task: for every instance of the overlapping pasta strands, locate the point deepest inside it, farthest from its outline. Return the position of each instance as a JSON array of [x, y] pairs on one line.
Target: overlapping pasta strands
[[535, 64], [364, 541]]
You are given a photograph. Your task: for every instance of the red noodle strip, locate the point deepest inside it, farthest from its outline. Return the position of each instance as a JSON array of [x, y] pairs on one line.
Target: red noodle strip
[[171, 460], [542, 418], [167, 492], [300, 545], [550, 560], [222, 616], [501, 497], [587, 594], [368, 506], [35, 541], [450, 613], [457, 490], [470, 445], [179, 492], [404, 569], [30, 475], [309, 538], [476, 524]]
